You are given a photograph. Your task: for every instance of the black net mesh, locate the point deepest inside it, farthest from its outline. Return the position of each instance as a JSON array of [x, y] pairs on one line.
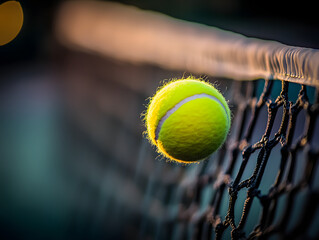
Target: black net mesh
[[261, 184], [284, 184], [239, 167]]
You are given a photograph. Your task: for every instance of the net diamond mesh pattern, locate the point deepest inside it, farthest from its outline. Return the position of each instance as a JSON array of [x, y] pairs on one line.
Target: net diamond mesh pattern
[[262, 183], [193, 220]]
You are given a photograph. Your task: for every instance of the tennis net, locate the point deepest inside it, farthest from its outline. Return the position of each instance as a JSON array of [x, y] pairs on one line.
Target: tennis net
[[263, 182]]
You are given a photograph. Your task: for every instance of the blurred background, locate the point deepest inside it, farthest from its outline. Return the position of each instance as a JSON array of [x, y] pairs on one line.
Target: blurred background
[[74, 162]]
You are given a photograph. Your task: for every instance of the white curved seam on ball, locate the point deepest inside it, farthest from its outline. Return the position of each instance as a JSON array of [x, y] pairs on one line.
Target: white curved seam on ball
[[181, 103]]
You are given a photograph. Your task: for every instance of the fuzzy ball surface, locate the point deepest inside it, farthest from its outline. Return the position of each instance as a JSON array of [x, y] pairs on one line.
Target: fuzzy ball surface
[[188, 120]]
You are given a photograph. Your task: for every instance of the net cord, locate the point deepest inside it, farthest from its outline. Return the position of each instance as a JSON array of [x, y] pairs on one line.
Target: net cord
[[138, 36]]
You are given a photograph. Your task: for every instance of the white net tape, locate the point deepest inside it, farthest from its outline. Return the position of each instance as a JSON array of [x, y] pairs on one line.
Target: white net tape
[[138, 36]]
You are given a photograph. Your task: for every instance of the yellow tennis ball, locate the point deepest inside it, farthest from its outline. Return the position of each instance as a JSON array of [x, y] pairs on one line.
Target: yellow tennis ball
[[188, 120]]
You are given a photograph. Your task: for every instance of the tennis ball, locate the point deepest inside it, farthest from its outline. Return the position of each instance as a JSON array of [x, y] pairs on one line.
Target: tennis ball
[[188, 120]]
